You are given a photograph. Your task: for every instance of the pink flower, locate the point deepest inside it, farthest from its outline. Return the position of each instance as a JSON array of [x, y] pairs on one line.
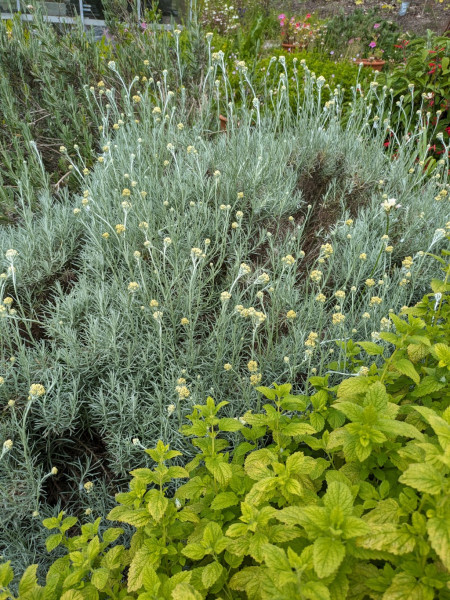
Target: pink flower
[[282, 17], [308, 16], [376, 26], [373, 44]]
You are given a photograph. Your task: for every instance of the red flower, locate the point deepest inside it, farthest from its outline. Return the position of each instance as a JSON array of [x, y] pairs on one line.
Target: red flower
[[308, 16]]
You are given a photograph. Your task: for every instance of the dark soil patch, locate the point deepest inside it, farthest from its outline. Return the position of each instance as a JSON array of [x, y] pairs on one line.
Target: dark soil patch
[[82, 444]]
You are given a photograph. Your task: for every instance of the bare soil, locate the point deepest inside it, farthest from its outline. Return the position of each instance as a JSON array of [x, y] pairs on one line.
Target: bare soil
[[421, 15]]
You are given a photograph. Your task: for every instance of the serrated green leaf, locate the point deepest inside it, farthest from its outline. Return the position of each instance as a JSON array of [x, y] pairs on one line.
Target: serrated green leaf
[[442, 351], [28, 581], [220, 470], [185, 591], [224, 500], [371, 348], [438, 286], [227, 424], [328, 555], [405, 586], [142, 560], [428, 385], [388, 538], [438, 530], [406, 367], [269, 393], [51, 523], [150, 580], [338, 495], [352, 387], [317, 421], [99, 577], [72, 595], [138, 517], [111, 534], [293, 429], [68, 523], [211, 574], [6, 574], [194, 551], [276, 558], [53, 541], [400, 428], [423, 477], [157, 504], [314, 590]]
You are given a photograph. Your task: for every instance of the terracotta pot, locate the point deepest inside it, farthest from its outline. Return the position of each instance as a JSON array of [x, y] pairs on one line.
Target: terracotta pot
[[373, 63], [223, 123]]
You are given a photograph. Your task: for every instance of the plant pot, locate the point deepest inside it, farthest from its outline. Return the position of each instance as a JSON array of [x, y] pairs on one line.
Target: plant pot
[[223, 123], [293, 47], [373, 63]]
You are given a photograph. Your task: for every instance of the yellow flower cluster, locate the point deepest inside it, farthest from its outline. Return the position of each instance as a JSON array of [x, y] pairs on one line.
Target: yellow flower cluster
[[370, 282], [197, 253], [316, 276], [255, 379], [340, 294], [119, 228], [252, 366], [407, 262], [133, 287], [182, 391], [225, 296], [244, 269], [288, 260], [263, 278], [326, 250], [184, 321], [338, 318], [291, 314], [36, 390], [257, 316], [375, 300], [321, 298], [311, 339], [227, 367]]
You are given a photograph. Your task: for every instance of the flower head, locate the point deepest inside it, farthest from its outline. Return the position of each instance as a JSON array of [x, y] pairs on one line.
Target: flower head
[[338, 318], [316, 276], [36, 390], [252, 366]]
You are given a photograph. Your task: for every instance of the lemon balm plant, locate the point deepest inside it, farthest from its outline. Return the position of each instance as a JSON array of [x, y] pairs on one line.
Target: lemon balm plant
[[198, 263], [343, 493]]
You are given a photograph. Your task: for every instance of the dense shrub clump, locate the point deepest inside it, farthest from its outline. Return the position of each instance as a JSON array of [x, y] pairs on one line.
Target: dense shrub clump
[[195, 262], [341, 493]]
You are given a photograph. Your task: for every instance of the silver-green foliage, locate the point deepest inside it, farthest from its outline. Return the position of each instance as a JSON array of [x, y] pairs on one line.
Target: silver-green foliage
[[124, 299]]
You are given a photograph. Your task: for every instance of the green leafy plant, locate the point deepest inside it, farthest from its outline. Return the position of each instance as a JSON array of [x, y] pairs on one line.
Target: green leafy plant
[[421, 83], [343, 493]]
